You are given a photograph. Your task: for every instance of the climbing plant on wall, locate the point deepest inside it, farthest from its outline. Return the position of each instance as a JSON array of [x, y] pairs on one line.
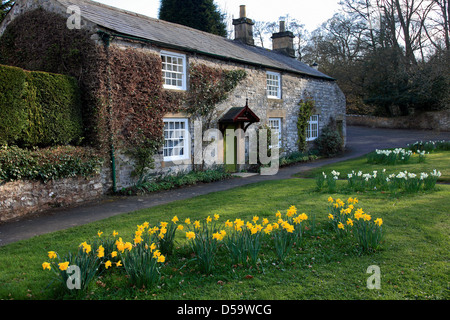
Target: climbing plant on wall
[[208, 87], [306, 107]]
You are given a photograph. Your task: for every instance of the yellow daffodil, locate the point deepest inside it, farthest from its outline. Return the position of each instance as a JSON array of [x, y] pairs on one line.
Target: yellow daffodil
[[366, 217], [303, 216], [46, 265], [115, 233], [349, 222], [187, 221], [255, 218], [63, 266], [278, 214], [208, 219], [180, 227], [196, 224], [161, 259], [331, 217], [265, 221], [190, 235], [108, 264], [52, 254], [145, 224], [216, 217], [340, 226], [119, 263], [228, 223], [330, 199], [113, 254], [137, 240], [175, 219], [128, 246], [100, 251], [152, 247], [163, 224], [268, 229], [156, 254], [291, 211], [218, 236], [99, 233], [378, 221]]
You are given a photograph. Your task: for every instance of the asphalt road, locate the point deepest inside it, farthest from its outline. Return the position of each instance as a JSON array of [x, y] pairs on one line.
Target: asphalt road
[[360, 141]]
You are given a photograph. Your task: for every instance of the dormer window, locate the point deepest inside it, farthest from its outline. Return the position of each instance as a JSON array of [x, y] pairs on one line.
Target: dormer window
[[174, 70]]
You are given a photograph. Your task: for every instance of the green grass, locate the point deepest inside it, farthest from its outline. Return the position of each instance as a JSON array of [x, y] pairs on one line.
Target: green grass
[[413, 261], [437, 160]]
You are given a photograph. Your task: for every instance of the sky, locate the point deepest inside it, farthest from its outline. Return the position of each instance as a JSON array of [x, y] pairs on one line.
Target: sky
[[311, 13]]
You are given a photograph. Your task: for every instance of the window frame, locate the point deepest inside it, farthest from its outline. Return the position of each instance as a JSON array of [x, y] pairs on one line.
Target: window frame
[[313, 120], [184, 73], [280, 130], [278, 75], [185, 139]]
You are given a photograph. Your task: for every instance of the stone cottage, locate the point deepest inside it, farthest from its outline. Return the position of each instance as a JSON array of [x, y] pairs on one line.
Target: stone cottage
[[269, 95]]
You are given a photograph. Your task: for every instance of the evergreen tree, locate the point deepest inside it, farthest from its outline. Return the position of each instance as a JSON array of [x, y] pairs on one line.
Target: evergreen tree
[[5, 6], [198, 14]]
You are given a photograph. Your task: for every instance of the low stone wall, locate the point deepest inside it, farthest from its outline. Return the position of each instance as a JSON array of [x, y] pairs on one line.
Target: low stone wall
[[424, 121], [21, 198]]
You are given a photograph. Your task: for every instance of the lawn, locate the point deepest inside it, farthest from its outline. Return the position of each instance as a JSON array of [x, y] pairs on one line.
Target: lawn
[[413, 260]]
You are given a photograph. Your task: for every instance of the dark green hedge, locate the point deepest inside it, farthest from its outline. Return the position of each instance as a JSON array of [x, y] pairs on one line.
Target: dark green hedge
[[12, 103], [39, 109]]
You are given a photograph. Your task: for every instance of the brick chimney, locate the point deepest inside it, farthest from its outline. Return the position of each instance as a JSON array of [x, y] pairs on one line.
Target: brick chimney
[[283, 41], [243, 28]]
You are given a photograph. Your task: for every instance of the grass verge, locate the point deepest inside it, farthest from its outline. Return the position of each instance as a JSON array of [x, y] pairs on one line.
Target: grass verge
[[413, 261]]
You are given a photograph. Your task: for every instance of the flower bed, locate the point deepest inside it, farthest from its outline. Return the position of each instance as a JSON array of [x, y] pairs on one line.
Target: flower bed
[[141, 259], [402, 181]]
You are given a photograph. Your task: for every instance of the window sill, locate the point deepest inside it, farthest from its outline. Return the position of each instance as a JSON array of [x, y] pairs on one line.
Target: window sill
[[174, 163]]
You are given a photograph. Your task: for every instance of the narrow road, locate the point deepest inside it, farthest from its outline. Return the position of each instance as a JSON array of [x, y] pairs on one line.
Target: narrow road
[[360, 141]]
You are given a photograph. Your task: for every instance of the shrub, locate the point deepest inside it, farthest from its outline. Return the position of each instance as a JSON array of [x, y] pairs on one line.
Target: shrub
[[39, 109], [329, 143], [12, 103], [54, 110]]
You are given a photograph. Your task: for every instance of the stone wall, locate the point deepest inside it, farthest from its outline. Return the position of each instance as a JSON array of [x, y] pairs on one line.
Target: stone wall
[[21, 198], [425, 121]]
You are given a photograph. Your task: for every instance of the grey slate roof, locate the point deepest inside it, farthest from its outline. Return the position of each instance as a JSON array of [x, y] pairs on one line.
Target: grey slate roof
[[171, 35]]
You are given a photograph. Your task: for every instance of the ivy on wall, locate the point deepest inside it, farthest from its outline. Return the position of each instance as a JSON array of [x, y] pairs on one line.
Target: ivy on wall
[[304, 113], [208, 87]]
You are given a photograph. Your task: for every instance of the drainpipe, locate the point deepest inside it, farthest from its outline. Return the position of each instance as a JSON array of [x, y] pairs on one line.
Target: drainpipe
[[106, 38]]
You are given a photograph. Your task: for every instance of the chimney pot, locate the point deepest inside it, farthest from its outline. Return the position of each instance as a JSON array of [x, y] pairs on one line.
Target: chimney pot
[[243, 27], [283, 41], [242, 12]]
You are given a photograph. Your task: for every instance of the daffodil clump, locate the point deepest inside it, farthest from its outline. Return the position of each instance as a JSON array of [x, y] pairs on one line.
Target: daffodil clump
[[140, 259], [429, 146], [359, 181], [347, 220], [204, 237], [390, 157], [88, 262]]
